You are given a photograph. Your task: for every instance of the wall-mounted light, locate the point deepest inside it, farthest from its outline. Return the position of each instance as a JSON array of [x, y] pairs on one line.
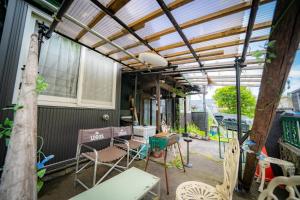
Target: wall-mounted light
[[105, 117]]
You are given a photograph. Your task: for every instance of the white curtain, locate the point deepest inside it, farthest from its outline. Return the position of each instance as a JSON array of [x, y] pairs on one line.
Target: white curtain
[[98, 79], [59, 65]]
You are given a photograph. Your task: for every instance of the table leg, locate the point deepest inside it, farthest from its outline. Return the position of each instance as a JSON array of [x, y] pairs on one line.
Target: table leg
[[166, 174], [263, 176], [158, 189]]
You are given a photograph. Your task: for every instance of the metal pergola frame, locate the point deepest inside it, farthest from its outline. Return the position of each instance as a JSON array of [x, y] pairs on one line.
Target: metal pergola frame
[[240, 61]]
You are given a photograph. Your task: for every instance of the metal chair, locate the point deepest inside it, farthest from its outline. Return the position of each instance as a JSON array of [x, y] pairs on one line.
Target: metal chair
[[289, 182], [199, 191], [109, 156], [161, 144], [133, 145]]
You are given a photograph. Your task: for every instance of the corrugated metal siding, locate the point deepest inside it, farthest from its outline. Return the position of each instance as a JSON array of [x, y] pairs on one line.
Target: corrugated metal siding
[[59, 128]]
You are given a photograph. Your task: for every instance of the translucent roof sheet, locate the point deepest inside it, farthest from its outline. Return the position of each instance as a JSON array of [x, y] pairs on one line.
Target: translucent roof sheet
[[265, 13], [166, 40], [68, 28], [136, 9], [107, 21], [89, 39], [215, 25], [154, 26], [200, 8], [85, 11]]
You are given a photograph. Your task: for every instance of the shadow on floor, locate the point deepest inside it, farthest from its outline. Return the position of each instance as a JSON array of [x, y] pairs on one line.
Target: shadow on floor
[[207, 168]]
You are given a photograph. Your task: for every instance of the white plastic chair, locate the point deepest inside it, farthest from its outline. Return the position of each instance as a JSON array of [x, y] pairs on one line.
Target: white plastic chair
[[290, 185], [200, 191]]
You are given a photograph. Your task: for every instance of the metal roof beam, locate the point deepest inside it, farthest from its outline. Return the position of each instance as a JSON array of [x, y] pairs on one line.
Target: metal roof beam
[[251, 22], [179, 31], [119, 21], [92, 31]]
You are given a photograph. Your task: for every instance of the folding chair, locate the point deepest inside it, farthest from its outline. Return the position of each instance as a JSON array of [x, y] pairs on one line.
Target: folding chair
[[109, 156], [135, 147]]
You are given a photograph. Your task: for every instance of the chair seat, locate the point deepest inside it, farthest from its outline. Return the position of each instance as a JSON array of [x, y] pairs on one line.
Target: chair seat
[[193, 190], [133, 144], [107, 155]]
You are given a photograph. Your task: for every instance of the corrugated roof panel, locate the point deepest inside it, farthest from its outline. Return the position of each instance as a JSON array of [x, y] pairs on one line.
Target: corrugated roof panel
[[166, 40], [216, 41], [136, 9], [183, 48], [214, 25], [118, 55], [126, 40], [254, 46], [265, 13], [154, 26], [200, 8], [107, 26], [138, 49], [104, 2], [257, 33], [83, 10], [68, 28], [89, 39], [106, 48]]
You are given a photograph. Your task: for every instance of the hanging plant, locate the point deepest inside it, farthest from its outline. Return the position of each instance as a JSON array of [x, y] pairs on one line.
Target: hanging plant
[[268, 50], [178, 92]]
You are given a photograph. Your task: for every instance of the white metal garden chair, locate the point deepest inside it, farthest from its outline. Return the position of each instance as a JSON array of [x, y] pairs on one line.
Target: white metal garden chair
[[134, 145], [200, 191], [290, 185], [109, 156]]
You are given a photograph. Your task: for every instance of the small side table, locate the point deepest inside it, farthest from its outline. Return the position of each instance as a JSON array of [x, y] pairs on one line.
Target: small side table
[[187, 139]]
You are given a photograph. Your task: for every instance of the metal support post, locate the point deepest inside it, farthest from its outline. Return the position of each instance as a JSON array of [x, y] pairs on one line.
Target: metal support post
[[239, 112]]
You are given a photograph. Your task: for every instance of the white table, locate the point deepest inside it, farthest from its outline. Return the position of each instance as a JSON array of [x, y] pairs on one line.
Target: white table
[[132, 184]]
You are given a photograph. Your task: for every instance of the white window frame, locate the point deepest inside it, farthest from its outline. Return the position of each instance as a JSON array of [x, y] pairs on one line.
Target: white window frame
[[47, 100]]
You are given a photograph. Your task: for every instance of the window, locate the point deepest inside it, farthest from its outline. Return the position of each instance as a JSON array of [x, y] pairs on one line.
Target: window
[[76, 76], [59, 65], [98, 79]]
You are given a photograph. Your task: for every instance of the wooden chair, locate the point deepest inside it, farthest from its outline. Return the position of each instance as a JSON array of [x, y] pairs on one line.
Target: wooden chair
[[109, 156], [133, 145], [200, 191], [289, 182]]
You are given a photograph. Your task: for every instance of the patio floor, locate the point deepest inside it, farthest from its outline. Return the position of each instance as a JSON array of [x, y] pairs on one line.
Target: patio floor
[[207, 167]]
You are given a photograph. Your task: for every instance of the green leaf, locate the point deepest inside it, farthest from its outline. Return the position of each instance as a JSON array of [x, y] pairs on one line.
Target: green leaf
[[8, 122], [41, 173], [271, 44], [271, 55], [39, 185], [41, 84]]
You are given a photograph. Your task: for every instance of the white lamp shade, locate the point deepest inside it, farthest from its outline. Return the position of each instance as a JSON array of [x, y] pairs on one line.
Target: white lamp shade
[[153, 59]]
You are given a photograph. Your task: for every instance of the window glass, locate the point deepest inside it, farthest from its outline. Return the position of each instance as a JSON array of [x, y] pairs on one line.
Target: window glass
[[59, 65], [98, 79]]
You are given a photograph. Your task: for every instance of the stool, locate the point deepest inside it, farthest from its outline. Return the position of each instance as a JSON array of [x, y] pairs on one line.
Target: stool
[[187, 139]]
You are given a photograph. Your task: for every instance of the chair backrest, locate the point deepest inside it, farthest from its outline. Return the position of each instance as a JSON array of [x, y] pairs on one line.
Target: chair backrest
[[290, 182], [230, 165], [122, 131], [93, 135]]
